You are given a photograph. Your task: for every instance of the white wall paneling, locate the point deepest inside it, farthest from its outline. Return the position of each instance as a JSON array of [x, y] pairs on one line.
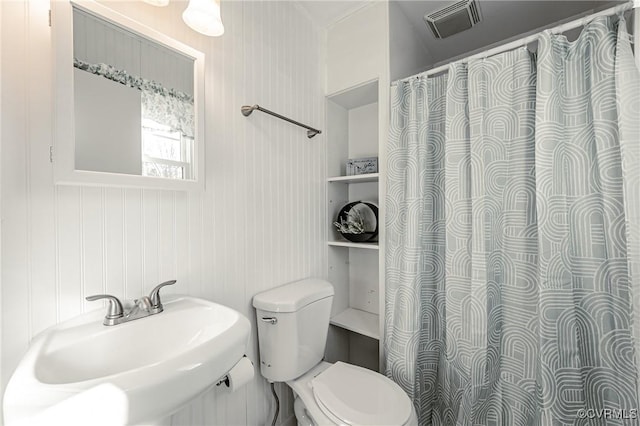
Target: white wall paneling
[[357, 48], [260, 222]]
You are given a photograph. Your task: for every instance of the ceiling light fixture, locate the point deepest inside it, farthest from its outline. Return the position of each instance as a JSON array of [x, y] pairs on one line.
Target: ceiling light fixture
[[203, 16]]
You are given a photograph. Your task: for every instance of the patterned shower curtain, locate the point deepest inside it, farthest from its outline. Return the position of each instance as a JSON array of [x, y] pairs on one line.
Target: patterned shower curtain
[[512, 251]]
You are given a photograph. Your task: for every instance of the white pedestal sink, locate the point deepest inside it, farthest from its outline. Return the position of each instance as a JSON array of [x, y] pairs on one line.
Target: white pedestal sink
[[139, 372]]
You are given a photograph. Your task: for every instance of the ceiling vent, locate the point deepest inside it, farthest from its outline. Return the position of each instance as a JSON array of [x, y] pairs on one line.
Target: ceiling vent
[[454, 18]]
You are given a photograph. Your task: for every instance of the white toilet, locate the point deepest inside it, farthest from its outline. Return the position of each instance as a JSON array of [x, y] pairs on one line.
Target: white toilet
[[293, 321]]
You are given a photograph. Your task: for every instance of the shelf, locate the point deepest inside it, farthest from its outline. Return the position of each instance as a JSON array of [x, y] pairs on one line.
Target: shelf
[[369, 246], [369, 177], [353, 97], [358, 321]]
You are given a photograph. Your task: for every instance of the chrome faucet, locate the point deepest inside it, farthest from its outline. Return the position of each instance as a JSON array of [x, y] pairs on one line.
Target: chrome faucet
[[143, 307]]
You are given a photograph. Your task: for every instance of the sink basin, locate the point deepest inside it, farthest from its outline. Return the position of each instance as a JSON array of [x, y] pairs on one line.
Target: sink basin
[[136, 372]]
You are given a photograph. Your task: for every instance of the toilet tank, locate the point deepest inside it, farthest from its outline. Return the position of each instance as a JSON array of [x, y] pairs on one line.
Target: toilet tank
[[293, 321]]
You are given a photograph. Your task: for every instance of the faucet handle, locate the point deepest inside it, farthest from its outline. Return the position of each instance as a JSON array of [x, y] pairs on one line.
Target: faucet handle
[[156, 303], [114, 311]]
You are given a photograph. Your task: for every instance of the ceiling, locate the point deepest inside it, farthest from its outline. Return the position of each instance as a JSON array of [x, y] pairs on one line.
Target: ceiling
[[501, 20]]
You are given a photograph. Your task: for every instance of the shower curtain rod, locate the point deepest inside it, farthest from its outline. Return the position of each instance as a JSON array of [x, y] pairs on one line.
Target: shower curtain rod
[[247, 110], [523, 42]]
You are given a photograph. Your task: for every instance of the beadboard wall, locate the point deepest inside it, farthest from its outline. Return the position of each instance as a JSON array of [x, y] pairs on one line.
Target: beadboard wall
[[261, 221]]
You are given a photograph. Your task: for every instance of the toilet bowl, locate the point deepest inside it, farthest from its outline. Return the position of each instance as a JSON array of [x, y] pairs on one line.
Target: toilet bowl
[[293, 321]]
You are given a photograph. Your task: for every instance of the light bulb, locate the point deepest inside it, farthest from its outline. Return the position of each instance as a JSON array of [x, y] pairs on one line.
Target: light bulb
[[203, 16]]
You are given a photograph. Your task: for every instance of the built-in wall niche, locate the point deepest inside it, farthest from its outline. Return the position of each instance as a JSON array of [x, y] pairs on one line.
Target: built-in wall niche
[[353, 132], [353, 119], [352, 347], [129, 102]]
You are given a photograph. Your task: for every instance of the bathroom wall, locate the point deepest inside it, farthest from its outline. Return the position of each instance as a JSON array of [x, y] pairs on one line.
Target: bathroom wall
[[259, 223], [357, 48], [408, 55]]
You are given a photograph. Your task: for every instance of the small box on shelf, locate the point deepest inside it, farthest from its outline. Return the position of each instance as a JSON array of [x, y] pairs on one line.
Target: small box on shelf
[[361, 166]]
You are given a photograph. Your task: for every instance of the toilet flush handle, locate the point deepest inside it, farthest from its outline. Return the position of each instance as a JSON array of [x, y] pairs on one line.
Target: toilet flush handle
[[270, 320]]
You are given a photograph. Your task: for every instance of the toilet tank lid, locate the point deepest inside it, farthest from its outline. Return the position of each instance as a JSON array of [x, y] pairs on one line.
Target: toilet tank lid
[[294, 296]]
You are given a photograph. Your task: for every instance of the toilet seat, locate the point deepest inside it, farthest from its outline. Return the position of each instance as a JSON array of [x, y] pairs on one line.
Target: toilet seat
[[356, 396]]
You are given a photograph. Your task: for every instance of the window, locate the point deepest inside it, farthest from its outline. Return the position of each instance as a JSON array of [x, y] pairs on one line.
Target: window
[[166, 152]]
